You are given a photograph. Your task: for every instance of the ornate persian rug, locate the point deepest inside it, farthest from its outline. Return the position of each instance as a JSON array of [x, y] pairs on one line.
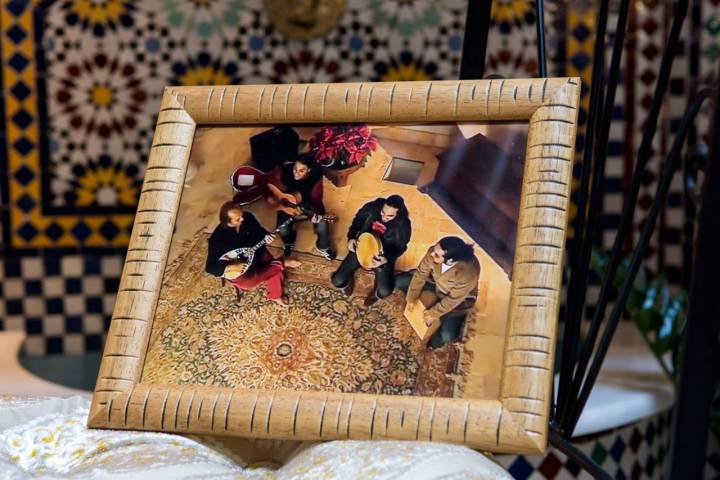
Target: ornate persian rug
[[324, 341]]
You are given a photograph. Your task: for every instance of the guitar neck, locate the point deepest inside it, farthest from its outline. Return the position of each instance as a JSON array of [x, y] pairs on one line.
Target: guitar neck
[[282, 225], [309, 212]]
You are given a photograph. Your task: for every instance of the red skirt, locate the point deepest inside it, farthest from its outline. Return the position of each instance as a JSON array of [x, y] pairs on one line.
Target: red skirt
[[268, 270]]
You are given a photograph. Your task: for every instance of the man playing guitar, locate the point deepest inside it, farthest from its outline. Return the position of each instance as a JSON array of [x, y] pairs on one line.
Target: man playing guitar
[[387, 219], [304, 178], [240, 229]]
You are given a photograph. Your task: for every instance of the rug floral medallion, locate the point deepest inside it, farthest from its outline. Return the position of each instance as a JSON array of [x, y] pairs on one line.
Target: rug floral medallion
[[203, 334]]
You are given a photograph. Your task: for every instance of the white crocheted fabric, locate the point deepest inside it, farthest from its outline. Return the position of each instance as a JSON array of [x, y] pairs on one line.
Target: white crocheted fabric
[[47, 438]]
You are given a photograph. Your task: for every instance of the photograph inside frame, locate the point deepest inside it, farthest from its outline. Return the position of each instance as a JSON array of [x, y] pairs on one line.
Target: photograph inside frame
[[343, 257]]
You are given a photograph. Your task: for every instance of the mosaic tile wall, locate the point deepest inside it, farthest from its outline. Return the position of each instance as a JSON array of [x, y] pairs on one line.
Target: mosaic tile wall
[[81, 83], [638, 451]]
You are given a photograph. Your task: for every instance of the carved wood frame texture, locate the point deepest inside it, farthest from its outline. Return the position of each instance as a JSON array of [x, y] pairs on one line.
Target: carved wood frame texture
[[516, 422]]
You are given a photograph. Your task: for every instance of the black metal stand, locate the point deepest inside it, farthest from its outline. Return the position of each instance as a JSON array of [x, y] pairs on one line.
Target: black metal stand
[[700, 364], [578, 267], [477, 26], [577, 455], [572, 372], [540, 24]]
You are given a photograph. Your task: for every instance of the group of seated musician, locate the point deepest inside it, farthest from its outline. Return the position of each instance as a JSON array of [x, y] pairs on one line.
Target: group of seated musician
[[446, 280]]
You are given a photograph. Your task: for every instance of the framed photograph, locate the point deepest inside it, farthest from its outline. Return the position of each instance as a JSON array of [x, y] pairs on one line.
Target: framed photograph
[[334, 261]]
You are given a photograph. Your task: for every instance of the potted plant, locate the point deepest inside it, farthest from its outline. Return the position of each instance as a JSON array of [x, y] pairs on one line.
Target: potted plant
[[342, 150], [659, 315]]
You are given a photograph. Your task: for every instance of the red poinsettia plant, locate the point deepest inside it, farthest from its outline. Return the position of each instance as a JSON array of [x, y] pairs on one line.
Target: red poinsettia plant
[[342, 146]]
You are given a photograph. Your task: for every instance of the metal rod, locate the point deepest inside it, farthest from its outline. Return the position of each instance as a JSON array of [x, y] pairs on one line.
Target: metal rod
[[573, 314], [644, 154], [577, 456], [694, 161], [477, 26], [698, 151], [673, 161], [700, 357], [596, 197], [540, 24]]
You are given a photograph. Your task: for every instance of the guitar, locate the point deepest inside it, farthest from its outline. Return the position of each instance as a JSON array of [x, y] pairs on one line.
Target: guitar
[[243, 257], [290, 204]]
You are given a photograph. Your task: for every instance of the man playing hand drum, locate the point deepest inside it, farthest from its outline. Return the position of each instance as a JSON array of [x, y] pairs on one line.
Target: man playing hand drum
[[387, 219]]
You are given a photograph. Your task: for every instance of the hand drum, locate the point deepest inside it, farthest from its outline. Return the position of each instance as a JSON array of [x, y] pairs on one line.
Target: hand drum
[[368, 246]]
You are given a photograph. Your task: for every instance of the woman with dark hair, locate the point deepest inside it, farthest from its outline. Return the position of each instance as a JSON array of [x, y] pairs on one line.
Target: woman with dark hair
[[446, 281], [386, 218], [239, 229], [303, 176]]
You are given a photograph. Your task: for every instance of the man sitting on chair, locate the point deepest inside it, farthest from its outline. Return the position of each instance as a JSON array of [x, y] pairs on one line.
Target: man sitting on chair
[[240, 229], [449, 273], [387, 219], [303, 176]]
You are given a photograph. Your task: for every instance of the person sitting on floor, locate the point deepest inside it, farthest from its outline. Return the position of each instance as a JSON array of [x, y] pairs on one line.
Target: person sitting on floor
[[386, 218], [449, 273], [304, 176], [240, 229]]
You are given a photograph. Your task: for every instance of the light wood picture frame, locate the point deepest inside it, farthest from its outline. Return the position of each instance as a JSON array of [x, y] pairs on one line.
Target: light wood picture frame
[[517, 421]]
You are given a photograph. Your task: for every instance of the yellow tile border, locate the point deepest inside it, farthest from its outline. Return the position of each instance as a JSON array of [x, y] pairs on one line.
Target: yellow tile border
[[35, 217]]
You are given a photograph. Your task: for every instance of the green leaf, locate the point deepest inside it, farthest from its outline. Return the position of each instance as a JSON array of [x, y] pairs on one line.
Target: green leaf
[[673, 313], [642, 321], [661, 346], [621, 273], [641, 279], [663, 288], [651, 295], [635, 301], [659, 314], [599, 261], [648, 320]]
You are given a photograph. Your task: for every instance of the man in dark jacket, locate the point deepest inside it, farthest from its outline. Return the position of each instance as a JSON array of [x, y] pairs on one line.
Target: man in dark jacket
[[387, 219]]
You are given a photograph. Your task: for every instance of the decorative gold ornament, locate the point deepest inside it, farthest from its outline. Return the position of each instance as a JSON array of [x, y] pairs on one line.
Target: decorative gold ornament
[[304, 19]]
